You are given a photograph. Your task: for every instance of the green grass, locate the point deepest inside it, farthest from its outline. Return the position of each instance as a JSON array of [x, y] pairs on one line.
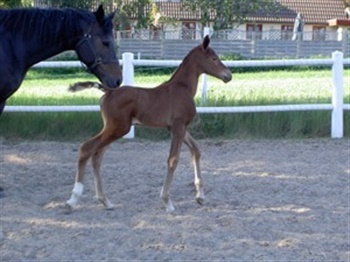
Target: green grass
[[294, 86]]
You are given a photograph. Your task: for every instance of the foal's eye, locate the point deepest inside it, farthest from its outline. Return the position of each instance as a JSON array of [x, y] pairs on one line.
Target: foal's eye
[[105, 43]]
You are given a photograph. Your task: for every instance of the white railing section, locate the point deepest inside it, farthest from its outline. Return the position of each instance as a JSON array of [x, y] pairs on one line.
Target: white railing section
[[336, 62]]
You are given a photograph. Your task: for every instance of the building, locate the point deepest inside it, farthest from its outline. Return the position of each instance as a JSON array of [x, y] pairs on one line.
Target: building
[[321, 20], [315, 15], [301, 29]]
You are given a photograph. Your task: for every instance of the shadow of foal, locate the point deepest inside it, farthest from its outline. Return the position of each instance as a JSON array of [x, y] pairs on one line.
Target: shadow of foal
[[170, 105]]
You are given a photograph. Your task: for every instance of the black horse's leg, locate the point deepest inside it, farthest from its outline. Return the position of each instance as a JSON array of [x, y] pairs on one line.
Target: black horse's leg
[[2, 106]]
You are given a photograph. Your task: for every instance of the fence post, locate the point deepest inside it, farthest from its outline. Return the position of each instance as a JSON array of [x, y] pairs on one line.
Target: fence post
[[128, 79], [337, 95], [205, 76]]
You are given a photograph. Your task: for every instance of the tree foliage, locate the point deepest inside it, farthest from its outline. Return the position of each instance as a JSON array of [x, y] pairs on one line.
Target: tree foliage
[[83, 4], [10, 3], [226, 13], [139, 10]]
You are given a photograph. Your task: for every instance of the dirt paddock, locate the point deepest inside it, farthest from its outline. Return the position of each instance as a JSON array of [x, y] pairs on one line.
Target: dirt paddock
[[266, 200]]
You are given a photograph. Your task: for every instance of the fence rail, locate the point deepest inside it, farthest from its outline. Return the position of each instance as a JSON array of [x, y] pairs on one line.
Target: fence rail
[[182, 33], [337, 107]]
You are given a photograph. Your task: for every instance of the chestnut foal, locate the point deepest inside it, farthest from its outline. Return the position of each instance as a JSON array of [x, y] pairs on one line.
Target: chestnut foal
[[169, 105]]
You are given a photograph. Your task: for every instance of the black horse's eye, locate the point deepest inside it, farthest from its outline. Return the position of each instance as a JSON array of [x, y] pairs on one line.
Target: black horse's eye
[[105, 43]]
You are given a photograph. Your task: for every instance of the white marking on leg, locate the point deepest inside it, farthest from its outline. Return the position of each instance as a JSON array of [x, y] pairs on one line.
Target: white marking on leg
[[76, 194], [199, 186], [169, 207], [78, 188]]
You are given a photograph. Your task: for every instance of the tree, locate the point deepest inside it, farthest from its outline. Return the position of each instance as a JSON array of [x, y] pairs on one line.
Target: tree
[[84, 4], [226, 13], [16, 3], [140, 9], [27, 3], [10, 3]]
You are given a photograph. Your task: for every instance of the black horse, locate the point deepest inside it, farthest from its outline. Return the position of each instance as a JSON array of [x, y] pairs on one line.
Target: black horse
[[28, 36]]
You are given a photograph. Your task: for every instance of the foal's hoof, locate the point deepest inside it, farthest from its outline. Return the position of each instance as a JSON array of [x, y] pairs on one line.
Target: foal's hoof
[[169, 207], [2, 194], [107, 204], [200, 200], [110, 207], [67, 209]]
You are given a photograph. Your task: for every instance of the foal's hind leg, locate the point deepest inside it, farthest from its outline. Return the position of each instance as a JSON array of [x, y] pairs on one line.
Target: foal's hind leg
[[196, 154], [110, 133]]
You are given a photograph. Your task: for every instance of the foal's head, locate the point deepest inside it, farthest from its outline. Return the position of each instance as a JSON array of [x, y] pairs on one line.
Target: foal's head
[[210, 63], [96, 49]]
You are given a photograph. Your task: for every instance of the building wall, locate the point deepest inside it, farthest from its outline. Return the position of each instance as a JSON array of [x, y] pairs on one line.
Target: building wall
[[269, 31]]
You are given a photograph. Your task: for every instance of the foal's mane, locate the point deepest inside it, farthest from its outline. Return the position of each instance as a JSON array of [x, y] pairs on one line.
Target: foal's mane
[[44, 23], [184, 61]]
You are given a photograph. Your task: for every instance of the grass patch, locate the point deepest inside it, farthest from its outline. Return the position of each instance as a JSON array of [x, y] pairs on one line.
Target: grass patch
[[273, 87], [62, 126]]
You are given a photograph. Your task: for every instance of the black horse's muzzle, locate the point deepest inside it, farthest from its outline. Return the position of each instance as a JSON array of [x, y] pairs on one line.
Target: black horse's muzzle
[[91, 62]]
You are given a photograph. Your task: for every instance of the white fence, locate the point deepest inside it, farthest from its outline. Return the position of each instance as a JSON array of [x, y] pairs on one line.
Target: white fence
[[174, 44], [337, 107], [230, 34]]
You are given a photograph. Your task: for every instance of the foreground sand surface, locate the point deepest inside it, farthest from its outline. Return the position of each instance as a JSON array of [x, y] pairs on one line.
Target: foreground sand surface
[[275, 200]]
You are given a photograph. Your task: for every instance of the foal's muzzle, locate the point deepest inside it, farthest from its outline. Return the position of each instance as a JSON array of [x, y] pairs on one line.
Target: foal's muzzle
[[227, 76]]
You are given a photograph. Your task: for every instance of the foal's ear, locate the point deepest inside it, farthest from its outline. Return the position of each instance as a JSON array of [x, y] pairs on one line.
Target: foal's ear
[[100, 14], [206, 42]]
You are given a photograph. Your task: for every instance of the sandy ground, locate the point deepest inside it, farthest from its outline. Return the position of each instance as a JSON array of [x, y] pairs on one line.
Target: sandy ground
[[267, 200]]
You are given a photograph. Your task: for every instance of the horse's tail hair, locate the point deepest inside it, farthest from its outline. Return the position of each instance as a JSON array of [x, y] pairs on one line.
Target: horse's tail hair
[[84, 85]]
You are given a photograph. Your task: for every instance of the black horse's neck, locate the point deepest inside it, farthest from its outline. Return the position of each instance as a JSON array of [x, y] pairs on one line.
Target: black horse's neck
[[40, 34]]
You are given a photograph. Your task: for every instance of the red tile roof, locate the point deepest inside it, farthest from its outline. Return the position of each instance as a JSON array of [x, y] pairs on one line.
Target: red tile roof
[[313, 11]]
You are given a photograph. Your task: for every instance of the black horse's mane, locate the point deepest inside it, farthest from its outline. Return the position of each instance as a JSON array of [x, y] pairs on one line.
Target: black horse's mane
[[44, 23]]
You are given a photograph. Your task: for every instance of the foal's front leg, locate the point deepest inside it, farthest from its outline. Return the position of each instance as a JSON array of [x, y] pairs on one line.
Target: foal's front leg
[[96, 164], [177, 136], [86, 150]]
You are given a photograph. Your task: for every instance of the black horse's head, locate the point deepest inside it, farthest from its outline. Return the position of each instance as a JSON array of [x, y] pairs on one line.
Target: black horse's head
[[96, 49]]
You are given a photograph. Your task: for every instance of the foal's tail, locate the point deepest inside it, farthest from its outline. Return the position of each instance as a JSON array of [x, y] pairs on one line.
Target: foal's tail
[[84, 85]]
